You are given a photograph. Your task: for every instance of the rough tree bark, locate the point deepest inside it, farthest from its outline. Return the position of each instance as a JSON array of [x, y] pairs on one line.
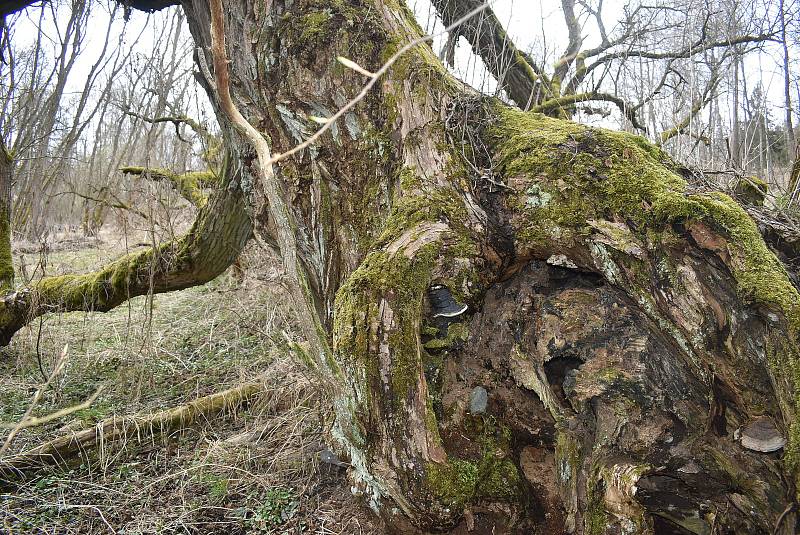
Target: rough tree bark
[[624, 378], [6, 177], [634, 339]]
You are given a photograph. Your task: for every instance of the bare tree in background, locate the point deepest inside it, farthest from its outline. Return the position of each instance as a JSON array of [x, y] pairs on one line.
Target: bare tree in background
[[660, 36]]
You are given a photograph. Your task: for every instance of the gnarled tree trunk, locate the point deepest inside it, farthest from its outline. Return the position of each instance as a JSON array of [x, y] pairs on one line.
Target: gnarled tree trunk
[[630, 343], [635, 340]]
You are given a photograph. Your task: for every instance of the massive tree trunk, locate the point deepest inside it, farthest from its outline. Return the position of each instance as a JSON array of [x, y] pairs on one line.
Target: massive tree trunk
[[628, 360], [635, 340]]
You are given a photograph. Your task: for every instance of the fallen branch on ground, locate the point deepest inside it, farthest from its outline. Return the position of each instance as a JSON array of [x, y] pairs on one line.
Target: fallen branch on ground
[[138, 429]]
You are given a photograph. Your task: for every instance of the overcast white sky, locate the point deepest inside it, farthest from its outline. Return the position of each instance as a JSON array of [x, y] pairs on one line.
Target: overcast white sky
[[532, 24]]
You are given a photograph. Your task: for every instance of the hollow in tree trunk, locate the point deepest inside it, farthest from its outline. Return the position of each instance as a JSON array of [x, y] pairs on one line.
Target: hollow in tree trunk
[[627, 362]]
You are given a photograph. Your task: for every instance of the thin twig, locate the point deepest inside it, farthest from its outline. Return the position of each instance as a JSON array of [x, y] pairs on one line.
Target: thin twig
[[33, 421], [62, 361]]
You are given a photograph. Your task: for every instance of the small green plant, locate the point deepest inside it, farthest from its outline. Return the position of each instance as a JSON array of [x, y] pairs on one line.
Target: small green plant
[[279, 506], [216, 486]]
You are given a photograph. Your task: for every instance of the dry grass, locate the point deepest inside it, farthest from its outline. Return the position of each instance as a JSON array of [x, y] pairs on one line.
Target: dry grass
[[254, 472]]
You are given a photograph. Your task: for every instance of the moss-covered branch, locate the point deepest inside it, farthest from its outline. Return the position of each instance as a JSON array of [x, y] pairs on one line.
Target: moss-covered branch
[[189, 185], [212, 244], [137, 429]]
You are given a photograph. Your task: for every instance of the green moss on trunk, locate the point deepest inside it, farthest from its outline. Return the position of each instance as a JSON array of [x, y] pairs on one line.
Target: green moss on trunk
[[492, 476], [6, 257]]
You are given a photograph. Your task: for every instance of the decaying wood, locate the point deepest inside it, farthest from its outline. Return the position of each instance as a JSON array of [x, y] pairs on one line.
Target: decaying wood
[[132, 430]]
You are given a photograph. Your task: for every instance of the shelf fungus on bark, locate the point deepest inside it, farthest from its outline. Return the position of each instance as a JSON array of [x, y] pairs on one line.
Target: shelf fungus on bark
[[762, 435]]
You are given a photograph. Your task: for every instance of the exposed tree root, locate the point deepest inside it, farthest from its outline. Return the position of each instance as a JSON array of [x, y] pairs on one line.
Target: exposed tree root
[[135, 429]]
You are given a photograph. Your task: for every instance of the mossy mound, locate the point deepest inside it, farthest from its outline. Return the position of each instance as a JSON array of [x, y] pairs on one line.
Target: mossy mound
[[567, 177]]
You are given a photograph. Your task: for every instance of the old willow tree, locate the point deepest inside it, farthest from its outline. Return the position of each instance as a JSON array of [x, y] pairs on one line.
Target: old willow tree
[[629, 359]]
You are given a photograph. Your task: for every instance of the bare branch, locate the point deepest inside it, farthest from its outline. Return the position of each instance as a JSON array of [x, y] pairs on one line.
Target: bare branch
[[514, 70], [62, 361], [116, 203], [177, 120], [567, 101], [686, 52], [34, 421], [697, 105]]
